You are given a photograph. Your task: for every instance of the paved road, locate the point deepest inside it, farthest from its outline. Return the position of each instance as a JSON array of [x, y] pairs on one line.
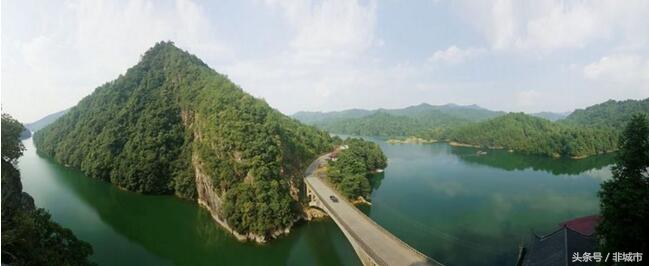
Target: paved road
[[383, 247]]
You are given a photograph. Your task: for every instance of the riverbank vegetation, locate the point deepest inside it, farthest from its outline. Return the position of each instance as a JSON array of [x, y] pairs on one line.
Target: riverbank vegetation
[[29, 236], [171, 117], [351, 166]]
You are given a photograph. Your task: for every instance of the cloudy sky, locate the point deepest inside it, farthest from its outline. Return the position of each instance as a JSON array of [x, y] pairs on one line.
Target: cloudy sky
[[330, 55]]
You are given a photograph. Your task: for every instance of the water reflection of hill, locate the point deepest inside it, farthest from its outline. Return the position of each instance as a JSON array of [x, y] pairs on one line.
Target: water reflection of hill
[[515, 161]]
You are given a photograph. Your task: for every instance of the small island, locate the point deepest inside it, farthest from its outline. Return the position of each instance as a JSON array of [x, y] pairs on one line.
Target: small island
[[350, 166]]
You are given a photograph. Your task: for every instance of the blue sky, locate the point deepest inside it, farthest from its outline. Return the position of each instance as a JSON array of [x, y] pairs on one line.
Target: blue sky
[[329, 55]]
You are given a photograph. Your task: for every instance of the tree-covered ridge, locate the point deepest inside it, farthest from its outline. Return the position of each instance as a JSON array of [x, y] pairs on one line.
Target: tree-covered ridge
[[586, 132], [170, 117], [426, 124], [524, 133], [351, 166], [423, 120], [29, 236], [612, 114]]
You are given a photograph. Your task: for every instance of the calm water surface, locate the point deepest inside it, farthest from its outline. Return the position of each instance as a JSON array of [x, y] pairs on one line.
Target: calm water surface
[[450, 204]]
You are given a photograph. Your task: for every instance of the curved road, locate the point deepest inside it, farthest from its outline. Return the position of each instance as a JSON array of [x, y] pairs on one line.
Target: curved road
[[381, 245]]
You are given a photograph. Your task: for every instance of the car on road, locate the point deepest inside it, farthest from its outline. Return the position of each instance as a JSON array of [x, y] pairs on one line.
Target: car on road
[[333, 198]]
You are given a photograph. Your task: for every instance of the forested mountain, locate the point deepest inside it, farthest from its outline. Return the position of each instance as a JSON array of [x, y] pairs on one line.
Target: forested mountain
[[614, 114], [173, 125], [528, 134], [29, 236], [421, 120], [466, 112], [551, 116], [388, 125], [43, 122], [583, 133]]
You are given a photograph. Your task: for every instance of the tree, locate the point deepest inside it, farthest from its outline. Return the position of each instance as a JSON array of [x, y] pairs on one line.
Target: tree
[[350, 172], [624, 200], [12, 148]]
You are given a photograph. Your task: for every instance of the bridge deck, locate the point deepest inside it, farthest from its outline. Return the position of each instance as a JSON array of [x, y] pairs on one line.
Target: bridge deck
[[381, 245]]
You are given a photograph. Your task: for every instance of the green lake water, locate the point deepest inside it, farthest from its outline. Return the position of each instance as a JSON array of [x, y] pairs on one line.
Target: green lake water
[[449, 203]]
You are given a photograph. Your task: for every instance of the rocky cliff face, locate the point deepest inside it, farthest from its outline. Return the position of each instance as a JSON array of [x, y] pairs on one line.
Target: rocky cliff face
[[208, 198]]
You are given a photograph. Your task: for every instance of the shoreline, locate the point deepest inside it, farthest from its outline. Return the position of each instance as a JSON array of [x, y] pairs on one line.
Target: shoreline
[[417, 140], [411, 140]]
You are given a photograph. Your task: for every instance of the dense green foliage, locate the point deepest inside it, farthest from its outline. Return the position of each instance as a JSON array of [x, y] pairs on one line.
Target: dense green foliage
[[524, 133], [350, 169], [12, 147], [624, 200], [29, 236], [465, 112], [424, 120], [378, 124], [171, 115], [591, 131], [610, 114], [258, 206]]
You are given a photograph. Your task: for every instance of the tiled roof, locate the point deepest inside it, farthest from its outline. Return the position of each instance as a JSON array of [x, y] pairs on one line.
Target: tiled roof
[[584, 225], [557, 248]]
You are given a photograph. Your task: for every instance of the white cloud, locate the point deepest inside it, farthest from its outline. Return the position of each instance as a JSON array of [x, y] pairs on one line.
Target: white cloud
[[455, 55], [329, 30], [555, 24], [620, 68], [80, 45], [331, 54], [325, 62]]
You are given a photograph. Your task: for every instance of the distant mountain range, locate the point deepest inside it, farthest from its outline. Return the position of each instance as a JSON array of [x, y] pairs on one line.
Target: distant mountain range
[[582, 133], [419, 120], [468, 112], [45, 121], [551, 115]]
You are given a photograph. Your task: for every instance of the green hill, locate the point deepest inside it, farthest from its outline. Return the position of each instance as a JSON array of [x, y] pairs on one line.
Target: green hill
[[173, 125], [614, 114], [422, 120], [463, 112], [533, 135]]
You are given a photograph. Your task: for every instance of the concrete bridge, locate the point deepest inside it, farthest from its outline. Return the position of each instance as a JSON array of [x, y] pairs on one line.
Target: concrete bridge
[[372, 243]]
